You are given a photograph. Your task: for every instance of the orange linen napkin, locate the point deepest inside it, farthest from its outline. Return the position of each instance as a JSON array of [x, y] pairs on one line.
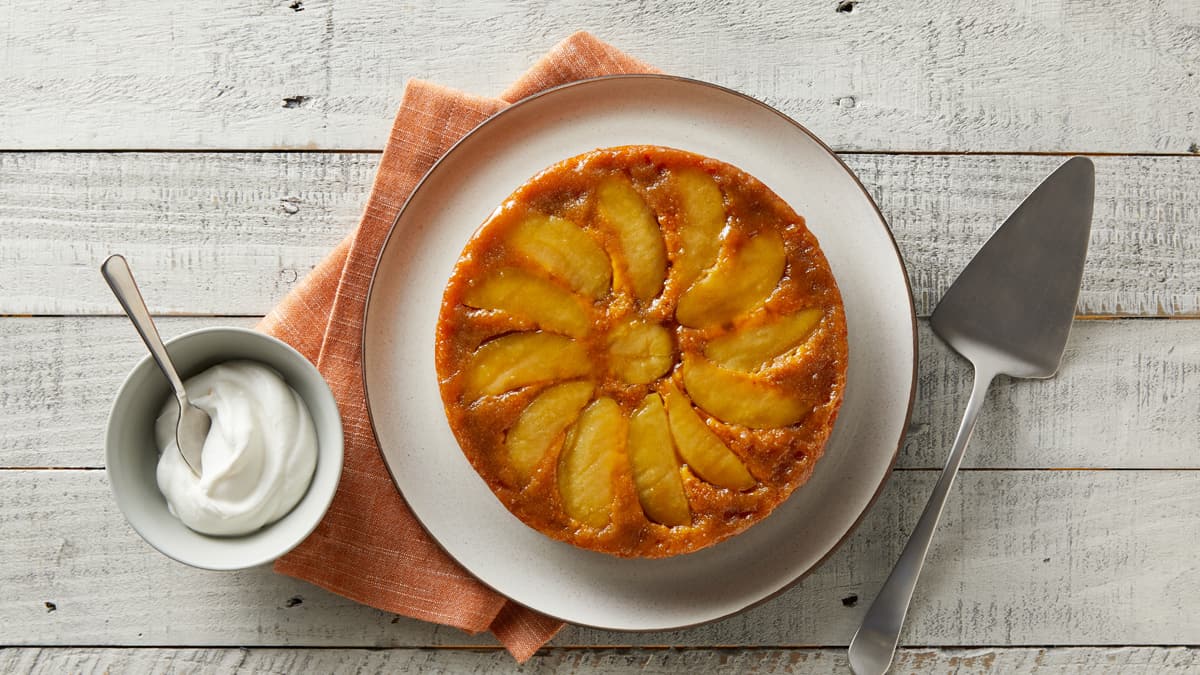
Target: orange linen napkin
[[370, 547]]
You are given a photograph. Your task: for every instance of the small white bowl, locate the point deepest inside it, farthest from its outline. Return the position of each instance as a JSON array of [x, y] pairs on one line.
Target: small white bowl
[[131, 455]]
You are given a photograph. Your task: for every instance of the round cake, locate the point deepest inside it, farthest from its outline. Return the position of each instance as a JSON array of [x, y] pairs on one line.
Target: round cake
[[642, 351]]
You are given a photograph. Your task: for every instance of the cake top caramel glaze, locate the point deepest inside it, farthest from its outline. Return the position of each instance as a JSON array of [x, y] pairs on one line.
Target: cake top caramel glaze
[[642, 351]]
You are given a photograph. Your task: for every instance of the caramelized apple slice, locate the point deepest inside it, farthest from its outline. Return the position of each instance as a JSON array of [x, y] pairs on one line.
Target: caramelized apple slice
[[531, 297], [735, 284], [701, 221], [752, 348], [564, 250], [522, 359], [589, 461], [638, 234], [640, 352], [541, 425], [701, 449], [655, 469], [739, 398]]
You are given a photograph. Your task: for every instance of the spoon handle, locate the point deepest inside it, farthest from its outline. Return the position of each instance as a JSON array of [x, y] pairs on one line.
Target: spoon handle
[[874, 645], [120, 279]]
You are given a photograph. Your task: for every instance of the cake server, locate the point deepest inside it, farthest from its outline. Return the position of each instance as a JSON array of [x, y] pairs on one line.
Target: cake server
[[1008, 313]]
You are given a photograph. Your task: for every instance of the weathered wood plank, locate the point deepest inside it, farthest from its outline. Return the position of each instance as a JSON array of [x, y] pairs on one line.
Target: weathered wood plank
[[230, 233], [1145, 229], [975, 75], [1091, 660], [204, 233], [1022, 558], [1127, 396], [61, 374]]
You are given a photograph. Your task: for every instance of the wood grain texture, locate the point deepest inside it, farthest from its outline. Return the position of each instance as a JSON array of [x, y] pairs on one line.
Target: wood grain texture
[[62, 374], [1111, 76], [1145, 238], [204, 233], [1091, 660], [230, 233], [1023, 558], [1128, 396]]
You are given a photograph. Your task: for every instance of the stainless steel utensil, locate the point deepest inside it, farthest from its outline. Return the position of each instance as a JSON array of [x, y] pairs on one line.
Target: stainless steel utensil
[[193, 422], [1009, 313]]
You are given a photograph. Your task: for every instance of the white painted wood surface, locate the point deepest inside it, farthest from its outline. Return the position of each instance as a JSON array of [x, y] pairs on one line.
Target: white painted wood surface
[[272, 93], [1110, 76], [1022, 558], [229, 233], [1128, 396], [1040, 661]]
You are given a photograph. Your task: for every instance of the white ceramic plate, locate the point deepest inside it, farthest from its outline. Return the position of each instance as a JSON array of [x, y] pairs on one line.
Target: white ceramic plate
[[454, 503]]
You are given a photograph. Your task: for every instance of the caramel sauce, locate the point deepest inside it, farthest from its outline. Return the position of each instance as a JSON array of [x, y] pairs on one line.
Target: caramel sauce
[[780, 459]]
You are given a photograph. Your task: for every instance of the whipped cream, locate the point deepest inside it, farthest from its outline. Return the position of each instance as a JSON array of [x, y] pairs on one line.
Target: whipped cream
[[258, 458]]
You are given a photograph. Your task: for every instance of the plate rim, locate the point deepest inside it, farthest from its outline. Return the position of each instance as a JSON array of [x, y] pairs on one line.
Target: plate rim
[[912, 315]]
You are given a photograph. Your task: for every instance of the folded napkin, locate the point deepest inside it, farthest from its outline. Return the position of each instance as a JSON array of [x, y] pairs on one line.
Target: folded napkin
[[369, 547]]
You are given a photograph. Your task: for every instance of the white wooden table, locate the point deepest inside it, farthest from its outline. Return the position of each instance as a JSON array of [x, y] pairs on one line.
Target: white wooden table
[[225, 150]]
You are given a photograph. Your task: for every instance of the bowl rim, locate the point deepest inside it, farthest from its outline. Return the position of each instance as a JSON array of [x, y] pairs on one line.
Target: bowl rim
[[335, 452]]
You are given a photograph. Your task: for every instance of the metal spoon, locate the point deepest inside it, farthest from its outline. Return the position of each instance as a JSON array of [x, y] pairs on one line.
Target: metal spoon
[[193, 423], [1009, 313]]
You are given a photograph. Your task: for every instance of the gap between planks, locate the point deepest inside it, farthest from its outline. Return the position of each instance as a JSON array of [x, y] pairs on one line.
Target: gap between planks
[[895, 469], [193, 315], [378, 151], [1117, 660], [607, 647]]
